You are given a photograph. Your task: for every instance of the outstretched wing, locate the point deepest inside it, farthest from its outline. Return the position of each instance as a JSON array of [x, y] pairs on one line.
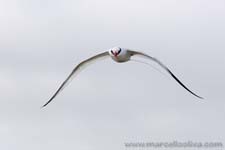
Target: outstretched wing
[[166, 68], [75, 71]]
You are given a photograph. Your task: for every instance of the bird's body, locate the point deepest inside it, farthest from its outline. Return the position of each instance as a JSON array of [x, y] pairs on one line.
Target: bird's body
[[119, 55]]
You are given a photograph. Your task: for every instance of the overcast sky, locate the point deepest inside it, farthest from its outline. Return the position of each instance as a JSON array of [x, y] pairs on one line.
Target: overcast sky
[[108, 103]]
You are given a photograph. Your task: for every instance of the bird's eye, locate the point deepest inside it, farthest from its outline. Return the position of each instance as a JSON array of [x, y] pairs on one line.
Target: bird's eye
[[119, 51], [112, 52]]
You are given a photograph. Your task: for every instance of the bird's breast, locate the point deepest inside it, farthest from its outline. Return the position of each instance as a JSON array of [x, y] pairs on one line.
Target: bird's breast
[[121, 58]]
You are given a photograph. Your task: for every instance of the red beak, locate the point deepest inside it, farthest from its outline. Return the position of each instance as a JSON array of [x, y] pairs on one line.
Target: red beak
[[115, 54]]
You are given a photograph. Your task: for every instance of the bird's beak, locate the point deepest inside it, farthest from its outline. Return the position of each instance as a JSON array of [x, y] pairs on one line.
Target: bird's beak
[[115, 54]]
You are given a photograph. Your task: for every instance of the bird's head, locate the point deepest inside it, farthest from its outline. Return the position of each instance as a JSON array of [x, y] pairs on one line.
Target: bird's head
[[115, 51]]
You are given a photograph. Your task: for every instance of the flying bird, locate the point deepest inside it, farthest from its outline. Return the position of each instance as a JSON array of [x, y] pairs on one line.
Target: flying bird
[[119, 55]]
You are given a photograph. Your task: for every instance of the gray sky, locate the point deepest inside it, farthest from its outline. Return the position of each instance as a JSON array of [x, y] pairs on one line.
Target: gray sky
[[108, 103]]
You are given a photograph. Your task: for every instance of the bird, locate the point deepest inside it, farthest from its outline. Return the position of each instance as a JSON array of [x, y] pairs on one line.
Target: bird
[[119, 55]]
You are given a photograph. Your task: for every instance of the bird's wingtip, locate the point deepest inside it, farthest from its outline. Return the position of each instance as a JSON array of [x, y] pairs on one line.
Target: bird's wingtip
[[200, 97], [42, 107]]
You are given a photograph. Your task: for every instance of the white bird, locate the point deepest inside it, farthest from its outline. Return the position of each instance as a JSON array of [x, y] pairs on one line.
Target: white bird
[[119, 55]]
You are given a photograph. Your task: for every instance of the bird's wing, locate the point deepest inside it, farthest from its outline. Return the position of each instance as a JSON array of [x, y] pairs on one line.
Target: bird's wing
[[132, 53], [75, 71]]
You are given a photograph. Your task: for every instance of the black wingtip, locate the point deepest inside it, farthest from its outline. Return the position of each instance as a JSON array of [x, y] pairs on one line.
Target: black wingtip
[[194, 93], [46, 104], [42, 107], [200, 97]]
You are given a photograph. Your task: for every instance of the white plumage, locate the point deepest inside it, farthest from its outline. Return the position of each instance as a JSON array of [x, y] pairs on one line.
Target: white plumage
[[119, 55]]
